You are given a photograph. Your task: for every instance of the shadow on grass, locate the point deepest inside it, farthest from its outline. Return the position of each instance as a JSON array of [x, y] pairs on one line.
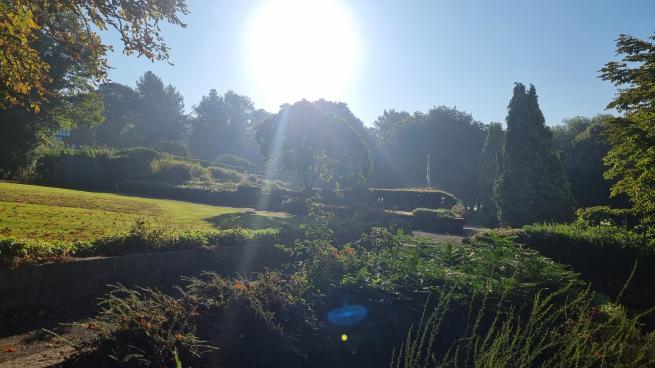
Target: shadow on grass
[[252, 220]]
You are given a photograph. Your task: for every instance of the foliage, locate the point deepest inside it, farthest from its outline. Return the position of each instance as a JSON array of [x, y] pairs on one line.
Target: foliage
[[234, 160], [604, 255], [605, 215], [531, 185], [223, 174], [582, 145], [493, 298], [452, 138], [26, 73], [141, 328], [491, 151], [142, 237], [631, 159], [174, 170], [121, 103], [304, 139], [159, 115], [224, 124], [574, 333], [172, 147], [24, 130]]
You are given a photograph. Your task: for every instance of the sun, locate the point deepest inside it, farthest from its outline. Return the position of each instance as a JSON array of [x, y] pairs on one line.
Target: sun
[[301, 49]]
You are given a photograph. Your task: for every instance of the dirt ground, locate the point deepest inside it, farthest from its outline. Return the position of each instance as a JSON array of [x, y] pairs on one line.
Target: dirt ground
[[43, 338]]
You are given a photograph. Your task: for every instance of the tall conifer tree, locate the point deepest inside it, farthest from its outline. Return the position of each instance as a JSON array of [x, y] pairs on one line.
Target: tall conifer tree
[[531, 185]]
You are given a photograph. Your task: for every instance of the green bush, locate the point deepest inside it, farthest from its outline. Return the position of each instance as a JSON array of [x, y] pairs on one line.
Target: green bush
[[213, 322], [605, 215], [227, 175], [575, 332], [172, 148], [281, 316], [173, 170], [234, 160], [142, 237], [604, 255]]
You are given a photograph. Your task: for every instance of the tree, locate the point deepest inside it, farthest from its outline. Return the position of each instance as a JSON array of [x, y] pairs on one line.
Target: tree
[[26, 74], [531, 185], [452, 138], [582, 144], [224, 124], [121, 103], [159, 114], [492, 148], [631, 158], [315, 145], [23, 130]]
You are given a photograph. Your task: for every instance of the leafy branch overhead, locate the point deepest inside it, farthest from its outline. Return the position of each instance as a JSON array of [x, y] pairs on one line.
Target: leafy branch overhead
[[25, 72]]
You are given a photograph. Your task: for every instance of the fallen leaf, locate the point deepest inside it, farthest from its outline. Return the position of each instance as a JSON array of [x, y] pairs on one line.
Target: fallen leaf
[[10, 349]]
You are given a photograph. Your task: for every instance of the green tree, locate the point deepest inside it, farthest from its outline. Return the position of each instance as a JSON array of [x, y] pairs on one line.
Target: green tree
[[224, 124], [452, 138], [23, 130], [631, 158], [27, 74], [121, 104], [315, 145], [531, 185], [491, 149], [582, 144], [159, 114]]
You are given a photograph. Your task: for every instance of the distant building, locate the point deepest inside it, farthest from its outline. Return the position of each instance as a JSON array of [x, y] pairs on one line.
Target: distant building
[[76, 138]]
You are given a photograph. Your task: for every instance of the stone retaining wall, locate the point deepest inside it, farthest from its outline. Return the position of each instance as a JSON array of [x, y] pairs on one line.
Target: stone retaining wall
[[51, 283]]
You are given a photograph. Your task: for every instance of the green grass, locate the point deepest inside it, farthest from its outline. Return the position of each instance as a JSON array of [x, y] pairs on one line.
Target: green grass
[[44, 213]]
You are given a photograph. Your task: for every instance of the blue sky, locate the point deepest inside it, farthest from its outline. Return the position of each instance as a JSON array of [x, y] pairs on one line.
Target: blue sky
[[419, 54]]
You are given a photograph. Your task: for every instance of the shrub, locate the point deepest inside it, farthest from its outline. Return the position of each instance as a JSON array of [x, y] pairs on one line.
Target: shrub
[[575, 332], [234, 160], [176, 171], [143, 328], [173, 148], [226, 319], [226, 175], [605, 215], [141, 238], [604, 255]]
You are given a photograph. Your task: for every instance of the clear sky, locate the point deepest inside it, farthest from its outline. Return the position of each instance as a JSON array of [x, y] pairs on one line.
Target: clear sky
[[410, 55]]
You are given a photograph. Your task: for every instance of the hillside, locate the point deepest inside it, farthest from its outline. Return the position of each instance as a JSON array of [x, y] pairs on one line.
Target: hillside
[[44, 213]]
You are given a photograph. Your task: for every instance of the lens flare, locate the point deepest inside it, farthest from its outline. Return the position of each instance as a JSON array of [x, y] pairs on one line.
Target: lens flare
[[348, 315]]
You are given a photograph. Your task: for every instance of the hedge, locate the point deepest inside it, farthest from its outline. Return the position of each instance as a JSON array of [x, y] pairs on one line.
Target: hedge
[[391, 199], [14, 252], [604, 255], [243, 196]]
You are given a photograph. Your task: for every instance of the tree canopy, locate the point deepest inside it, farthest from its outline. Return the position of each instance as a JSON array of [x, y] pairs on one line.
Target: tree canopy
[[451, 137], [315, 145], [631, 158], [27, 74], [531, 185]]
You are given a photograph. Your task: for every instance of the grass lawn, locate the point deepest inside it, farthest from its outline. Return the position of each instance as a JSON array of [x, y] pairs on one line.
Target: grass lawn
[[45, 213]]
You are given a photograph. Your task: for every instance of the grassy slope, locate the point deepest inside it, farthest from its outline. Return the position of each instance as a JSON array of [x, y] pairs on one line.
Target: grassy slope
[[36, 212]]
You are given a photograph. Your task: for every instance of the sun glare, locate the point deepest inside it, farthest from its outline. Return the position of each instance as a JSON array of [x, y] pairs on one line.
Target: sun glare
[[302, 49]]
